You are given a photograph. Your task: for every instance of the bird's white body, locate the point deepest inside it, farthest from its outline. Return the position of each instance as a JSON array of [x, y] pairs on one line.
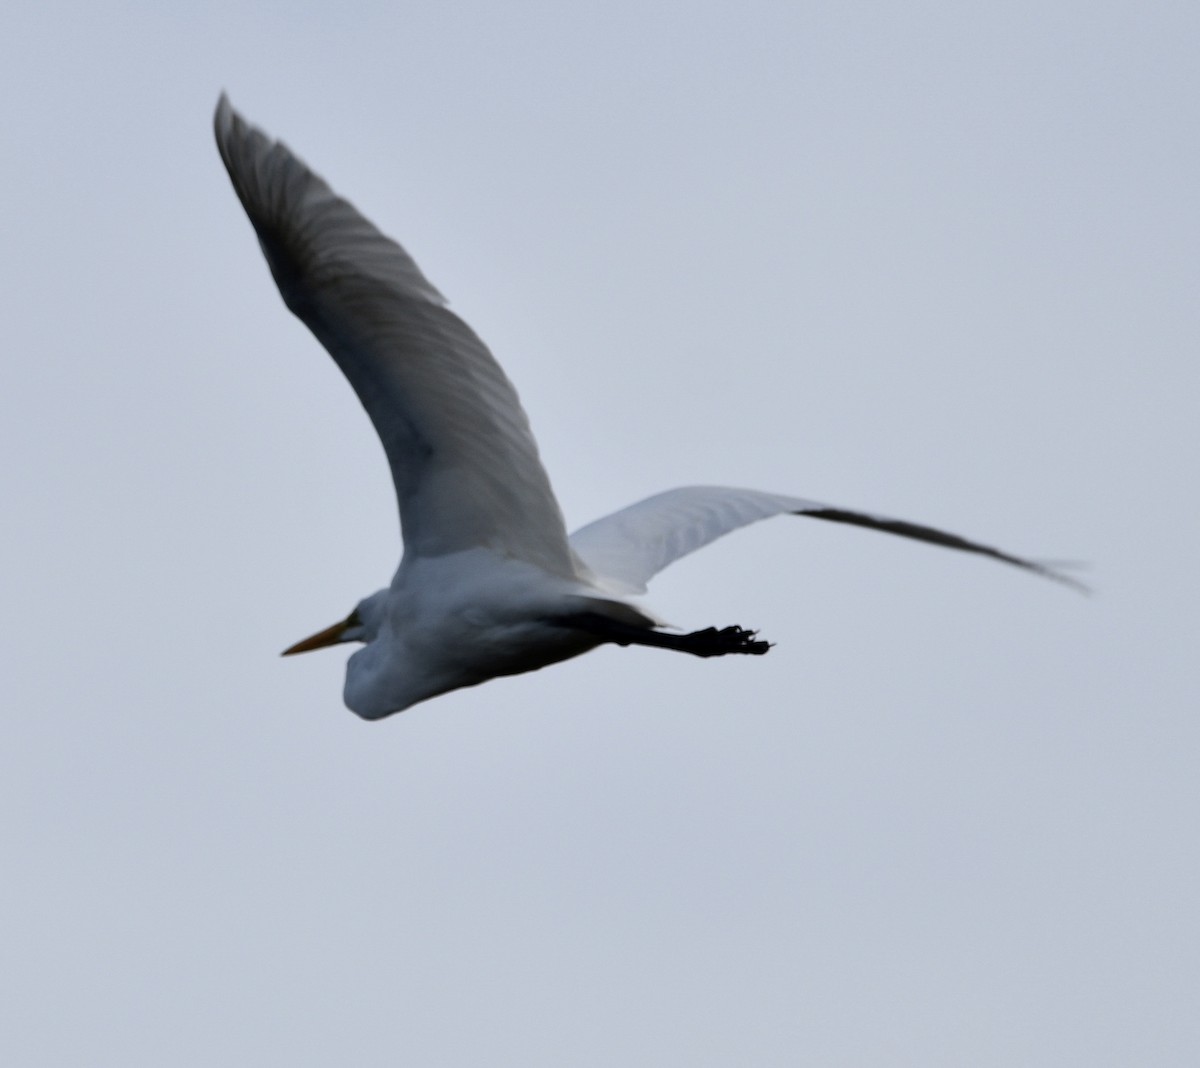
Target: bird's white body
[[463, 618], [489, 583]]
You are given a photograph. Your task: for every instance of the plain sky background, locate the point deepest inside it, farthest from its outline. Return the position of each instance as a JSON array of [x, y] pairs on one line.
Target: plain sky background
[[936, 260]]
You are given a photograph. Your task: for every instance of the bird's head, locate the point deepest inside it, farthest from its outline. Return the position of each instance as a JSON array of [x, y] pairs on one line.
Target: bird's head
[[361, 625]]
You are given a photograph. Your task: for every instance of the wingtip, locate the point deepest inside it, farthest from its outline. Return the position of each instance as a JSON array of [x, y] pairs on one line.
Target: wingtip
[[1069, 581], [223, 119]]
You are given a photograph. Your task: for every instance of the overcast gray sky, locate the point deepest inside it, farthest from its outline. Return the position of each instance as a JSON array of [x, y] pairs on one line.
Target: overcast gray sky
[[935, 260]]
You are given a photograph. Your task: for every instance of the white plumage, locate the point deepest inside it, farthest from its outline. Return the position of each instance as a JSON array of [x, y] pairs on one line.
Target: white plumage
[[489, 583]]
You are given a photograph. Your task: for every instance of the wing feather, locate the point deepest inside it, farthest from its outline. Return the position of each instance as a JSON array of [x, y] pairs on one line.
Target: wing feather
[[626, 549], [463, 459]]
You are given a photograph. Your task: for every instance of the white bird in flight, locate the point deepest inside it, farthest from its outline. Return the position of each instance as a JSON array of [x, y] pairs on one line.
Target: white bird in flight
[[489, 583]]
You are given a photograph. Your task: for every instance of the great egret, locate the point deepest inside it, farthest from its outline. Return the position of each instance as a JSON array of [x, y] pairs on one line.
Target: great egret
[[489, 583]]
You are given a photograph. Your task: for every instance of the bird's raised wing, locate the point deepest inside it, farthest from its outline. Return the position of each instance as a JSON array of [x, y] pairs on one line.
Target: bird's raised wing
[[463, 459], [629, 547]]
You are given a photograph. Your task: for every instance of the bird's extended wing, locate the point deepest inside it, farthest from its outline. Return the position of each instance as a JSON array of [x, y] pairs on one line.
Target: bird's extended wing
[[629, 547], [463, 459]]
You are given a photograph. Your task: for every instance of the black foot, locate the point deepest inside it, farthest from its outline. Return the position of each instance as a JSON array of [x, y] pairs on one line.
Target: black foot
[[713, 642], [707, 642]]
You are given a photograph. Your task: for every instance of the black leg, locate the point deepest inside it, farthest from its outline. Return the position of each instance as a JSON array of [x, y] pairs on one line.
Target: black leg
[[707, 642]]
